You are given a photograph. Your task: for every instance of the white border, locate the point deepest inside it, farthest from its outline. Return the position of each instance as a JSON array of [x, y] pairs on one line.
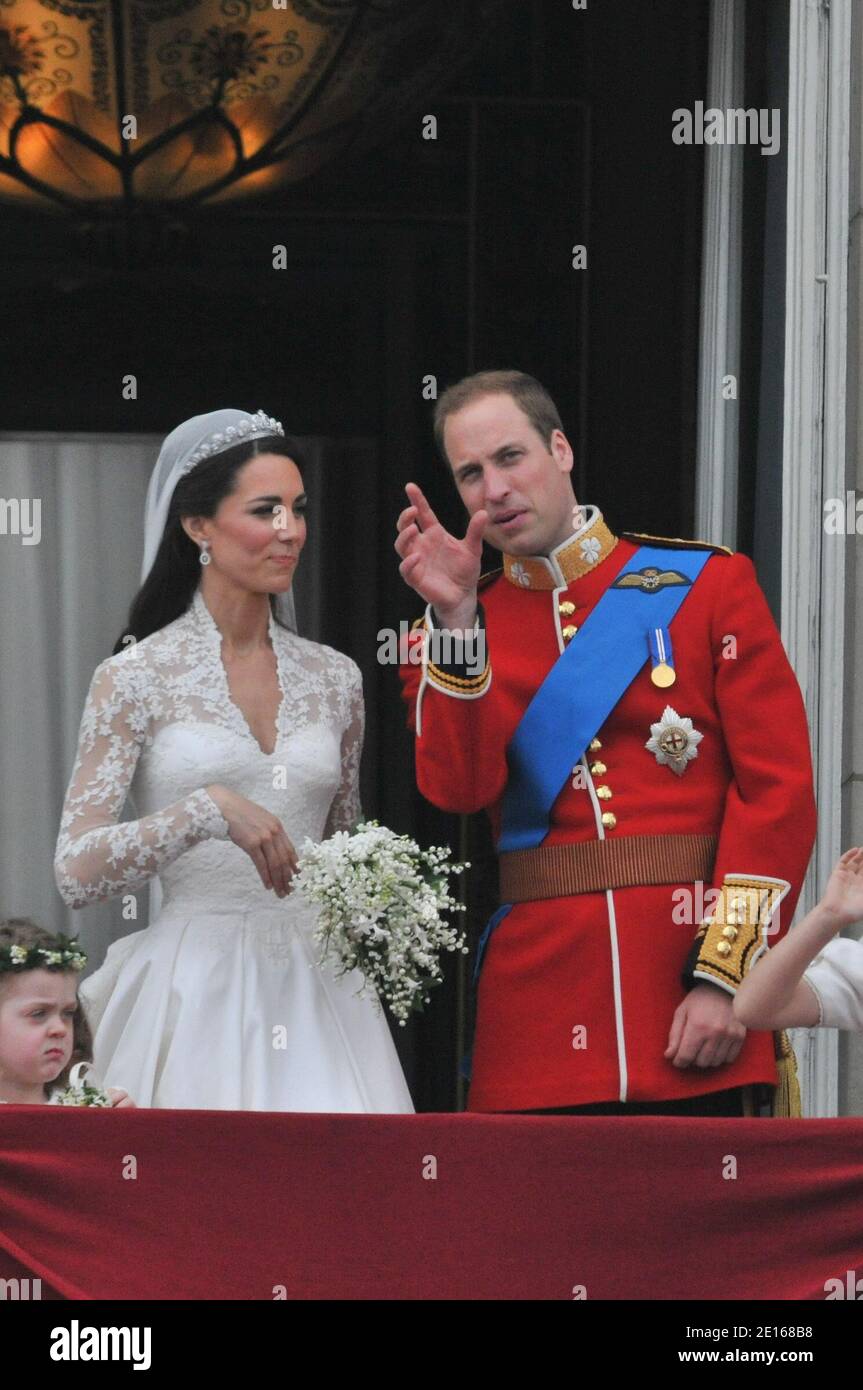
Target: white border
[[813, 462], [719, 348]]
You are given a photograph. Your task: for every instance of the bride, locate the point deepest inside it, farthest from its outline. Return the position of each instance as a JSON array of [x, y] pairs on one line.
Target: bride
[[235, 738]]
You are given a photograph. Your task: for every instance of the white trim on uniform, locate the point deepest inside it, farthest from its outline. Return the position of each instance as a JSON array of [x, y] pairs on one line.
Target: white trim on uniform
[[428, 679], [584, 762]]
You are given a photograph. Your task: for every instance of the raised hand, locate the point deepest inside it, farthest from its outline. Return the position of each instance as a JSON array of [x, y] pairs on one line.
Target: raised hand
[[843, 896], [442, 569]]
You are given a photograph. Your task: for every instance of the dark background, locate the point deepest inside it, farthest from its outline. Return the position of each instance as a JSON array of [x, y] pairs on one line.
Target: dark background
[[424, 258]]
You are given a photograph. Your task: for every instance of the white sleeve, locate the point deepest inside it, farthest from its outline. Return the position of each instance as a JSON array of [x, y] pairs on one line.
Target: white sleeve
[[836, 979], [97, 857], [346, 809]]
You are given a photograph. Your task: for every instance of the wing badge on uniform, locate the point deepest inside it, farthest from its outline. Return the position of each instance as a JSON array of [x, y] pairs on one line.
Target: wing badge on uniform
[[674, 741], [649, 580]]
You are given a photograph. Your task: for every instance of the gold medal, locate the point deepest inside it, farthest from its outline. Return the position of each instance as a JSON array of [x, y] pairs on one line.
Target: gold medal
[[663, 675]]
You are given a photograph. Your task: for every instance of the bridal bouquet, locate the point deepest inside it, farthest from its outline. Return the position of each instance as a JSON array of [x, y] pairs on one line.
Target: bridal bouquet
[[79, 1091], [381, 899]]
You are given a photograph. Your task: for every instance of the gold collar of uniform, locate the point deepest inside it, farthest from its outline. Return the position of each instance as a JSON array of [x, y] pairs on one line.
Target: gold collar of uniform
[[580, 553]]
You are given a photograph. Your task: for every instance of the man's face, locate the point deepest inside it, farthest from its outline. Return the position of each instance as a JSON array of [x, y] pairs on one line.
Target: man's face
[[500, 463]]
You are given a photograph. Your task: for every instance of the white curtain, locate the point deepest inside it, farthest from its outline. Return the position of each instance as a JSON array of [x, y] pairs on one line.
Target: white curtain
[[63, 603]]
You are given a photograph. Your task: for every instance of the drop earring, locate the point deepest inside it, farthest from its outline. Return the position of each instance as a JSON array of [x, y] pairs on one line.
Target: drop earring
[[205, 557]]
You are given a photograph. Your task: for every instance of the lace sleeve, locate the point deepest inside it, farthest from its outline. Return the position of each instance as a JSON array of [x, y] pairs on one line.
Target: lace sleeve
[[96, 857], [346, 809]]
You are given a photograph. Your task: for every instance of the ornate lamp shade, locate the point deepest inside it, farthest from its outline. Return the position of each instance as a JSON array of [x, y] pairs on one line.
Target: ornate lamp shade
[[113, 103]]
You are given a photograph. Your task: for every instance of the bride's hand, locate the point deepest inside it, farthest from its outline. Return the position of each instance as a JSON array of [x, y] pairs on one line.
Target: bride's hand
[[120, 1099], [261, 835]]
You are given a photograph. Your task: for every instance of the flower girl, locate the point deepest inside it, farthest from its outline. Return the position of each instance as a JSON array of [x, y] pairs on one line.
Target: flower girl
[[45, 1040], [808, 980]]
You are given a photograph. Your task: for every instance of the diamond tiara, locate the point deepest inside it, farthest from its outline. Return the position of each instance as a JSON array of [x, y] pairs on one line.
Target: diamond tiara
[[257, 426]]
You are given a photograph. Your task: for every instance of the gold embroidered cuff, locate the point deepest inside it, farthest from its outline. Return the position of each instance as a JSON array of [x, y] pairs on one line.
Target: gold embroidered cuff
[[731, 939], [456, 676], [466, 688]]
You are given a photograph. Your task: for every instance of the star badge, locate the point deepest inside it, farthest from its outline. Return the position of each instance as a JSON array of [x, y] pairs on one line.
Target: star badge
[[674, 741]]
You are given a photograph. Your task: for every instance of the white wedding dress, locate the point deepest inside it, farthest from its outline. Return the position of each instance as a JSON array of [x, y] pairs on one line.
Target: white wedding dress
[[217, 1003]]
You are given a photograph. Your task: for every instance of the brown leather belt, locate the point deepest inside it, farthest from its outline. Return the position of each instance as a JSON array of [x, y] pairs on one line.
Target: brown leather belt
[[627, 861]]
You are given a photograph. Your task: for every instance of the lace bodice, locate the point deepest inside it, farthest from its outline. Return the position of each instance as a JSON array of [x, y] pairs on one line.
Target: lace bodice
[[159, 725]]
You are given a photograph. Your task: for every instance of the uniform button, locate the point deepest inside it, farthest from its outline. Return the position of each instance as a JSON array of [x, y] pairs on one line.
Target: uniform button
[[732, 917], [730, 933], [724, 948], [604, 793], [598, 769], [569, 631], [609, 820], [566, 608], [594, 744]]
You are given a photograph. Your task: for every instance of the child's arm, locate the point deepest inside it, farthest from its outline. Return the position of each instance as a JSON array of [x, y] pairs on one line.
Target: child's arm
[[774, 994]]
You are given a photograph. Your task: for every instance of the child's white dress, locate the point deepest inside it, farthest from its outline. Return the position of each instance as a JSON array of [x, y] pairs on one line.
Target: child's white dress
[[76, 1076], [836, 979], [218, 1005]]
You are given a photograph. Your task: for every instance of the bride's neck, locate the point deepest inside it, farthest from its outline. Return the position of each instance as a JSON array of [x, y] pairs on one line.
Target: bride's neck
[[242, 617]]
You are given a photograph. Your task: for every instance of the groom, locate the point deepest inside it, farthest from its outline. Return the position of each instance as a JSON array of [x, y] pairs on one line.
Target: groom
[[638, 739]]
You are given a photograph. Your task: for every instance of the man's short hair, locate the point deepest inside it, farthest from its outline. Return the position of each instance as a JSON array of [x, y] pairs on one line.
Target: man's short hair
[[528, 394]]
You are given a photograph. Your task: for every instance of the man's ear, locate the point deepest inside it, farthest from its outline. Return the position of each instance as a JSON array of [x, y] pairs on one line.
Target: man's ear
[[561, 451]]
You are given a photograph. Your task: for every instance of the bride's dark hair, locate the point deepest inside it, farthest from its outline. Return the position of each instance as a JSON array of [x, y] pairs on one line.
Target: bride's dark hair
[[167, 591]]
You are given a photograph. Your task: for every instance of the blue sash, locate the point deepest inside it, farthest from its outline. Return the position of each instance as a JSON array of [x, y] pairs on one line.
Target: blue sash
[[582, 688]]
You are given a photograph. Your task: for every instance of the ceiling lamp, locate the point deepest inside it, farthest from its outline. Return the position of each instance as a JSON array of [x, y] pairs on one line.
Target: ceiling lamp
[[109, 105]]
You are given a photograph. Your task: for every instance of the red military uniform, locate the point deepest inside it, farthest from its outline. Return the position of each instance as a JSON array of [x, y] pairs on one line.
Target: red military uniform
[[577, 993]]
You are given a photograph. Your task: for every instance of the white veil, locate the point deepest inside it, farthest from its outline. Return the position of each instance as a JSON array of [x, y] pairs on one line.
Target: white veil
[[187, 446]]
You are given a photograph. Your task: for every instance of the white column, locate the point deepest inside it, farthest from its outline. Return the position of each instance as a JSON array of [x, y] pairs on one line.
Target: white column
[[813, 465], [716, 476]]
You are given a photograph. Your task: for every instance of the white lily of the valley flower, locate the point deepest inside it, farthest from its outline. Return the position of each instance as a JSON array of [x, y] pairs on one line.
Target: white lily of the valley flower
[[381, 898]]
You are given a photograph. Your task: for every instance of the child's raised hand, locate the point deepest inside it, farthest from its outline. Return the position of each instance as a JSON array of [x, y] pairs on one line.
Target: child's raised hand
[[843, 896], [120, 1100]]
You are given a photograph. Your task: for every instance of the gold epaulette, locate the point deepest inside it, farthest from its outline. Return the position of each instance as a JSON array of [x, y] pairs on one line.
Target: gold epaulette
[[676, 542], [485, 579]]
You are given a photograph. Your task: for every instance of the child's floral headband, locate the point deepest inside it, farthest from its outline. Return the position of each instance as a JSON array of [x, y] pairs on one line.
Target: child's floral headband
[[62, 953]]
